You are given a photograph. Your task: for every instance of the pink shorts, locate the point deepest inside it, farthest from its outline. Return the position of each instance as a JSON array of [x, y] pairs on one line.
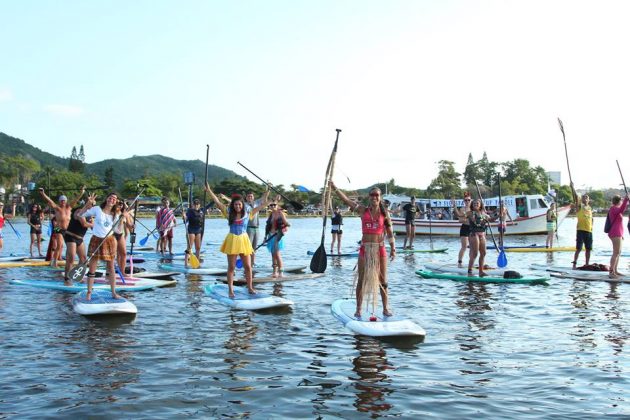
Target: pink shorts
[[381, 251]]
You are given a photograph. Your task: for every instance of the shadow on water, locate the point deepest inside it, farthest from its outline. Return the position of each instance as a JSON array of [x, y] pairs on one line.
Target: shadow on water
[[372, 384]]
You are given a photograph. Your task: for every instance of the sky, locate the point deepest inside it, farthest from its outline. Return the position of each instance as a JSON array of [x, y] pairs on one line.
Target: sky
[[266, 83]]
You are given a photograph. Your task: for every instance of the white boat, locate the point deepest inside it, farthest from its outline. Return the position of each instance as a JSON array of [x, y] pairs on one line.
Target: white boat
[[532, 219]]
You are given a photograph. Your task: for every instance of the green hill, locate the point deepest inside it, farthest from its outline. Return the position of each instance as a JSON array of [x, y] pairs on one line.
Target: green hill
[[135, 167]]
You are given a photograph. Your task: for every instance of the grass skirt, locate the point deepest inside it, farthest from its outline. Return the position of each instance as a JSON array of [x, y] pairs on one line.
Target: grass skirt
[[237, 244], [371, 284]]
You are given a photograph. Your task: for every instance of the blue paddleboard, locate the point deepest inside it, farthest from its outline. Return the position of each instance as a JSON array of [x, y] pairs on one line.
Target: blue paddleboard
[[243, 299], [101, 303]]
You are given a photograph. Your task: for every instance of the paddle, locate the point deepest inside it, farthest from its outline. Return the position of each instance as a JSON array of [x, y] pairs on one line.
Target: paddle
[[320, 260], [430, 228], [19, 236], [77, 272], [205, 181], [120, 273], [297, 206], [502, 258], [155, 235], [194, 261], [565, 149], [489, 227]]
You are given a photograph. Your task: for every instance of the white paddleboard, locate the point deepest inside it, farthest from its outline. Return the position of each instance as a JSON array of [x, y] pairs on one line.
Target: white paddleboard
[[568, 270], [269, 279], [136, 281], [182, 269], [244, 300], [76, 287], [593, 276], [392, 326], [12, 257], [453, 268], [101, 303]]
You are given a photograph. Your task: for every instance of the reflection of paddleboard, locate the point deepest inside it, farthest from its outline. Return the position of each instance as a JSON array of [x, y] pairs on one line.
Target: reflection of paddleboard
[[243, 299], [266, 279], [489, 279], [343, 254], [77, 287], [391, 326], [101, 303]]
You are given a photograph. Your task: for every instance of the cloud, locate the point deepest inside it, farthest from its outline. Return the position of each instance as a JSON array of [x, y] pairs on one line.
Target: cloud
[[5, 95], [64, 110]]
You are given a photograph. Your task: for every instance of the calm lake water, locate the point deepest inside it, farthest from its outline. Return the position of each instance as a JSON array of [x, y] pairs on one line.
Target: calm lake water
[[491, 351]]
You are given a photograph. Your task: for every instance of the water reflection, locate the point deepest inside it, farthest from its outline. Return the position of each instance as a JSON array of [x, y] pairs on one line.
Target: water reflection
[[372, 384], [614, 315]]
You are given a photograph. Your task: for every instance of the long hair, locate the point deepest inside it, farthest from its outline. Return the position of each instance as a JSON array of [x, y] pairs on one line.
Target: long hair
[[232, 213], [40, 211], [115, 208]]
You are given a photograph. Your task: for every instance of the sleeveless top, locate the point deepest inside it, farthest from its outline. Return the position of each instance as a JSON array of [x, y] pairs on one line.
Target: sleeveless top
[[476, 221], [195, 218], [239, 226], [35, 219], [370, 226]]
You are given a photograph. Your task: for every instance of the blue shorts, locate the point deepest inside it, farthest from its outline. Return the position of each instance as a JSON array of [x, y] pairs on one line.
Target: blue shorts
[[583, 238], [194, 230]]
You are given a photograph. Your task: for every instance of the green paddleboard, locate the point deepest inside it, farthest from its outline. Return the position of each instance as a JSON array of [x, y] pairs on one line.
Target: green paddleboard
[[413, 251], [488, 279]]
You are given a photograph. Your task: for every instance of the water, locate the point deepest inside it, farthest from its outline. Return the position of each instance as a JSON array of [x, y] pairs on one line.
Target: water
[[491, 351]]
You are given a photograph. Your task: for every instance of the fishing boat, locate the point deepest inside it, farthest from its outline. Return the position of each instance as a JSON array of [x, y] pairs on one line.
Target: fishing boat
[[529, 219]]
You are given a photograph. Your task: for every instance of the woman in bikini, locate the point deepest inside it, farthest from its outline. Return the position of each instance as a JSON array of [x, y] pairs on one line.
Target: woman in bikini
[[236, 242], [464, 230], [478, 221], [372, 273]]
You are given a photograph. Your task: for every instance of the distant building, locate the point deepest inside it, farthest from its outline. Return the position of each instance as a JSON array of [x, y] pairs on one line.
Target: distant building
[[555, 177]]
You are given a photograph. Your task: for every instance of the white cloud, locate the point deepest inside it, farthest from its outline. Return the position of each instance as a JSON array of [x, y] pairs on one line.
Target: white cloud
[[5, 95], [64, 110]]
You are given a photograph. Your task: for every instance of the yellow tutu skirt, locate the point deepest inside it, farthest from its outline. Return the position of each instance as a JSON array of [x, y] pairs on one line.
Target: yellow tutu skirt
[[237, 244]]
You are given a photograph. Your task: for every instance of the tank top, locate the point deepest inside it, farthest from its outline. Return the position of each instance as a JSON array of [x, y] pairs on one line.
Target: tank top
[[239, 226]]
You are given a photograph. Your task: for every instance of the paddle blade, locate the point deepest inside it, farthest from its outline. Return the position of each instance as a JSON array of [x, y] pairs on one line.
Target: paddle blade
[[144, 240], [155, 235], [502, 259], [194, 261], [239, 263], [78, 272], [120, 274], [319, 260]]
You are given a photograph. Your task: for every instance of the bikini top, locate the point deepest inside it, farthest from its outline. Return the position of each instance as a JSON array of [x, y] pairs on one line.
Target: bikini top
[[370, 226]]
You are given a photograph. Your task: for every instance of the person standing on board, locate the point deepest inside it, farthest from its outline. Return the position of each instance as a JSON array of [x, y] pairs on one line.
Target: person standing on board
[[34, 219], [278, 226], [478, 221], [252, 226], [464, 230], [2, 220], [63, 212], [552, 220], [195, 217], [166, 222], [411, 211], [236, 242], [73, 236], [584, 234], [105, 218], [336, 229], [120, 233], [615, 217], [372, 264], [502, 216]]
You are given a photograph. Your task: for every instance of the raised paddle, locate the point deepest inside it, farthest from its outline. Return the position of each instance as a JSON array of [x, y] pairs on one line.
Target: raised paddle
[[194, 261], [297, 206], [489, 227], [502, 258], [77, 272], [205, 181], [320, 260], [566, 154]]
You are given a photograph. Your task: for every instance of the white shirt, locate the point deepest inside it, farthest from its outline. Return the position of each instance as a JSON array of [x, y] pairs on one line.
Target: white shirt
[[102, 222]]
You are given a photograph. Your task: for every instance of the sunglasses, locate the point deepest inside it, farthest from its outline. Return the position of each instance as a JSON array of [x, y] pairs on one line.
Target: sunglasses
[[467, 199], [272, 205], [375, 195]]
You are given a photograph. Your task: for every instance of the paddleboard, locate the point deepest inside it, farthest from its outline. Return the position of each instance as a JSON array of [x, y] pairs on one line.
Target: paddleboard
[[413, 251], [199, 271], [101, 303], [27, 263], [565, 269], [142, 248], [609, 253], [135, 281], [77, 287], [136, 260], [556, 249], [453, 268], [343, 254], [12, 257], [489, 279], [267, 279], [243, 299], [506, 247], [156, 275], [261, 270], [602, 276], [391, 326]]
